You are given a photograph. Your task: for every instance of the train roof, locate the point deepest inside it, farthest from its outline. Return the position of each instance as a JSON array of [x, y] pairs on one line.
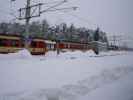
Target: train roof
[[10, 36], [50, 42], [68, 41], [39, 40], [14, 35], [44, 40]]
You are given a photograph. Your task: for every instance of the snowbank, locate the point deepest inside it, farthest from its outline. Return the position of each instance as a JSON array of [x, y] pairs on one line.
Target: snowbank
[[80, 54], [21, 54], [77, 54], [64, 77], [51, 54], [69, 54]]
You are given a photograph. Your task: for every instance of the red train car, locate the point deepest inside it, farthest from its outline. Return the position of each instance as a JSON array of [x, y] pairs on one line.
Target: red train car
[[40, 46], [74, 45], [37, 46], [10, 43]]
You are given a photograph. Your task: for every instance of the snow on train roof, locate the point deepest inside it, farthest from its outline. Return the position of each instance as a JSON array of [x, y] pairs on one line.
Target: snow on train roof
[[49, 42], [46, 41], [9, 37]]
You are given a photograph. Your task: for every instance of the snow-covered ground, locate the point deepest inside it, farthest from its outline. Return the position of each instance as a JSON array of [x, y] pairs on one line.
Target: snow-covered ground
[[118, 90], [68, 76]]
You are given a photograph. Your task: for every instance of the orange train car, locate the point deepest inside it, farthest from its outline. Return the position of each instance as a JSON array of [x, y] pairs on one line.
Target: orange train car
[[74, 45], [39, 46], [10, 43]]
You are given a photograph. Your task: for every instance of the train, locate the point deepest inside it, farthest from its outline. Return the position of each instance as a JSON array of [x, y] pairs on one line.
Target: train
[[40, 46]]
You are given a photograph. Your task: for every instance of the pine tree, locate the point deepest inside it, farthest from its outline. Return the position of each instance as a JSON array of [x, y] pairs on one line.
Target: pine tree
[[96, 35]]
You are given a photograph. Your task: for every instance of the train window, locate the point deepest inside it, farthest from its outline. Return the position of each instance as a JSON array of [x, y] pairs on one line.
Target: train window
[[2, 42], [15, 43], [33, 44], [20, 43], [65, 46], [41, 44], [48, 46], [52, 46], [8, 42]]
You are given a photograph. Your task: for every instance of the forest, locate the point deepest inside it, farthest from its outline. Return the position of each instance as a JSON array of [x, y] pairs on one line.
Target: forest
[[62, 31]]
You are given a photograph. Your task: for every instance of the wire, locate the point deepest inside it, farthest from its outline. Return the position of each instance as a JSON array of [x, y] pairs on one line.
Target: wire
[[52, 7], [80, 18], [48, 3], [11, 14], [11, 6]]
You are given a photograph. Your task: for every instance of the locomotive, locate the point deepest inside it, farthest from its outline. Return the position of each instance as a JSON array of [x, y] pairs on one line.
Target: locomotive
[[39, 46]]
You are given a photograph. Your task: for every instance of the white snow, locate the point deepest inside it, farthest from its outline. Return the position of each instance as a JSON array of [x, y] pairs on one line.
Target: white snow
[[22, 54], [69, 76], [119, 90]]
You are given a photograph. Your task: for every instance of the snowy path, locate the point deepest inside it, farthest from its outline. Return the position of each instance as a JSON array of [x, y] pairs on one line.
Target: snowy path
[[65, 77]]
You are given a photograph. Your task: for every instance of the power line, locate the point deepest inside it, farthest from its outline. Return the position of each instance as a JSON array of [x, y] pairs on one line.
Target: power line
[[29, 12], [83, 19], [8, 13], [80, 18]]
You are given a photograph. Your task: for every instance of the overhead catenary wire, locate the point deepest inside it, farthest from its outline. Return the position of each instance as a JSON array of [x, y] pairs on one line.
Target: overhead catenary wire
[[56, 5], [83, 19], [80, 18], [8, 13], [73, 15], [12, 11]]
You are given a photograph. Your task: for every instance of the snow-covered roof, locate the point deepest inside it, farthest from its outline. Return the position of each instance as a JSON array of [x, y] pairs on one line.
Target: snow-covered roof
[[41, 40], [49, 42], [9, 37]]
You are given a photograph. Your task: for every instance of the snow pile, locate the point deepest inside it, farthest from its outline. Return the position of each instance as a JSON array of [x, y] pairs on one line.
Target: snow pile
[[21, 54], [77, 54], [90, 53], [51, 54], [113, 53], [71, 54]]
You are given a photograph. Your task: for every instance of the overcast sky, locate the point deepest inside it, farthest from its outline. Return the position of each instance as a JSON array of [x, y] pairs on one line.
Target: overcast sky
[[112, 16]]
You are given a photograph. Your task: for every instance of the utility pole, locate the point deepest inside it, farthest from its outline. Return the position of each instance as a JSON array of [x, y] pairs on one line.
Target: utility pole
[[35, 10], [114, 39], [27, 17]]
